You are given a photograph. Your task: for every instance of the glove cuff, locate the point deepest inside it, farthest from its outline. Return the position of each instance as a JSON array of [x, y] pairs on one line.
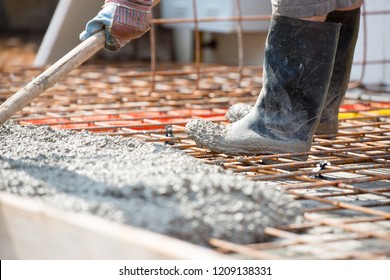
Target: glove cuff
[[132, 13], [142, 4]]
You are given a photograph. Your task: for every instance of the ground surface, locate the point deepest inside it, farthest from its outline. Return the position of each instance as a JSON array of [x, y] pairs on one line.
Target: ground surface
[[147, 185], [346, 202]]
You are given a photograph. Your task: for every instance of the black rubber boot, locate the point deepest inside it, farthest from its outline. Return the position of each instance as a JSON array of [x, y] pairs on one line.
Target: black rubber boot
[[298, 63], [342, 69]]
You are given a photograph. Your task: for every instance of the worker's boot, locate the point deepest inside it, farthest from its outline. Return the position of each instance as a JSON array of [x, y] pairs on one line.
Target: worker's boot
[[298, 63], [341, 71], [340, 77]]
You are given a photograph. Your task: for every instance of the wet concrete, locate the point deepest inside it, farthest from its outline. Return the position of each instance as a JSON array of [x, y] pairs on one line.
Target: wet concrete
[[146, 185], [242, 138], [237, 111]]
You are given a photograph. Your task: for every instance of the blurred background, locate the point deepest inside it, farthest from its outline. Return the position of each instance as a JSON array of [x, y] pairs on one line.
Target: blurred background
[[47, 29], [32, 16]]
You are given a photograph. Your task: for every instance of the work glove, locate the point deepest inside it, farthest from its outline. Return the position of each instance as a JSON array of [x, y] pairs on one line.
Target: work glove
[[123, 20]]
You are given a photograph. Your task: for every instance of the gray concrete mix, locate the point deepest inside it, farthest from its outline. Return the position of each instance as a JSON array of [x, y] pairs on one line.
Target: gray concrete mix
[[147, 185], [237, 111]]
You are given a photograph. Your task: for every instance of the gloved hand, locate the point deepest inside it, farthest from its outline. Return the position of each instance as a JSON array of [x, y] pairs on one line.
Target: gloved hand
[[123, 21]]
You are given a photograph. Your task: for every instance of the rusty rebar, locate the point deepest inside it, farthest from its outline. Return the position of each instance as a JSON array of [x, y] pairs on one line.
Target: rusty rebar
[[360, 150]]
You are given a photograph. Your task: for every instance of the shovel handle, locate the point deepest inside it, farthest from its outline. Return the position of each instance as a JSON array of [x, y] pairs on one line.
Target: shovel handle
[[52, 75]]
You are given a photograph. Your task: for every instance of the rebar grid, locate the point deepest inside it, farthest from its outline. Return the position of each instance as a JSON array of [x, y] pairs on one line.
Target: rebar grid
[[344, 186]]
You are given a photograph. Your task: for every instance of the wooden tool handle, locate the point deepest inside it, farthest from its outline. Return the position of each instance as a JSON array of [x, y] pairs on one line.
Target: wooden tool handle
[[52, 75]]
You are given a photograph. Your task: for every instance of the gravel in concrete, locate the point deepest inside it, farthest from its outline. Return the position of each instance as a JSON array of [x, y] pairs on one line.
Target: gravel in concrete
[[147, 185], [237, 111]]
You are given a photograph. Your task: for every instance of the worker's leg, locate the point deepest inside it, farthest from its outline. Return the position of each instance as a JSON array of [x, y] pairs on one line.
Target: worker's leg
[[298, 63], [315, 10], [349, 18], [315, 18], [354, 6]]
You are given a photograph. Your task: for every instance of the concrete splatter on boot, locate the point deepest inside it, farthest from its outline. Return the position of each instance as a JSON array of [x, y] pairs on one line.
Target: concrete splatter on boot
[[298, 63], [237, 112], [342, 69]]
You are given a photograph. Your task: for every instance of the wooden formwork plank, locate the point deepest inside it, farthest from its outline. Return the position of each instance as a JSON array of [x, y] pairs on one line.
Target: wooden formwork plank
[[30, 229]]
